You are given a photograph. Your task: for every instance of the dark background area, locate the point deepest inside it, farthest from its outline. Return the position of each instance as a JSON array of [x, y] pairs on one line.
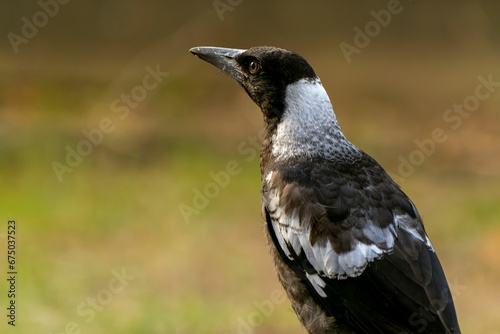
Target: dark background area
[[146, 197]]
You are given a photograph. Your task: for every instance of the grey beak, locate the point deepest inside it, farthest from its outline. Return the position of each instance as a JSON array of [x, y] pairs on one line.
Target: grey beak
[[222, 58]]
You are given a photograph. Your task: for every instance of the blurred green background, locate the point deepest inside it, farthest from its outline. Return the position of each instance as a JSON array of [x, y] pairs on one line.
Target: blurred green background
[[103, 245]]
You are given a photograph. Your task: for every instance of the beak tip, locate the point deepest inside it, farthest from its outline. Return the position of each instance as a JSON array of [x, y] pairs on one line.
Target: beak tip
[[194, 51]]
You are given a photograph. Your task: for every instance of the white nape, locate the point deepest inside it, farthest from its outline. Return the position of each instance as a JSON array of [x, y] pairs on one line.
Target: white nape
[[308, 127]]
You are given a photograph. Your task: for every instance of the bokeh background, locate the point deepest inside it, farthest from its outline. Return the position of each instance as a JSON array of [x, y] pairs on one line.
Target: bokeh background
[[121, 241]]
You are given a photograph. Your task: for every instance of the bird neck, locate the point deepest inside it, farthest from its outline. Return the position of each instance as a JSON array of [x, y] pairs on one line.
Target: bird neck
[[308, 128]]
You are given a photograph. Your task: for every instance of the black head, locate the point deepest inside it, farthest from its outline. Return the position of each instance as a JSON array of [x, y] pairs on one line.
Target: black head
[[263, 71]]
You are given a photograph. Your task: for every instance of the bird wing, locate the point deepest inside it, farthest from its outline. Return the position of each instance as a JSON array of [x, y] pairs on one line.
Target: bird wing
[[358, 243]]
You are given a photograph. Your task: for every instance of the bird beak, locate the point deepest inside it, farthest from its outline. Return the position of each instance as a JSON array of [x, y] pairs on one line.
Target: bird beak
[[222, 58]]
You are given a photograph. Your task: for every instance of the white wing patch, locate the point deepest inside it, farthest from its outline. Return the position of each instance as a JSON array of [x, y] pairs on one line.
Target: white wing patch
[[294, 236], [404, 222], [291, 233], [269, 176], [317, 283]]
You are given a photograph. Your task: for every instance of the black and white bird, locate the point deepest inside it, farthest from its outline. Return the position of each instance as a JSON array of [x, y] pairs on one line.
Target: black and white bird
[[349, 245]]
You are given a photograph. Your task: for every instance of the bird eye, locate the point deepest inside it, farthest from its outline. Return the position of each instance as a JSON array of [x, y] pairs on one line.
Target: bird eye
[[253, 67]]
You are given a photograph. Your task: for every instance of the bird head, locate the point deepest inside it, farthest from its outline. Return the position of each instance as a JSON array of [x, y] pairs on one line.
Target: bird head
[[263, 71]]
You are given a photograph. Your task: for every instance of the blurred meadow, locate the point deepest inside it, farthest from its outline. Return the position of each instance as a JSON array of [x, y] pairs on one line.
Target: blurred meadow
[[131, 167]]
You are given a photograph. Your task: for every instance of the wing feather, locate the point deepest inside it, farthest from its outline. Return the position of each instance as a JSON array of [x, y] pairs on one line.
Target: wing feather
[[361, 248]]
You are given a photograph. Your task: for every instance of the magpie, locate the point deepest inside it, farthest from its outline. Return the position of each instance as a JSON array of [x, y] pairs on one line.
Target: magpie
[[349, 246]]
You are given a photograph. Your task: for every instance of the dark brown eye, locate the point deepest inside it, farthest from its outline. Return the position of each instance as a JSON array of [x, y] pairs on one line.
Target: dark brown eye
[[253, 67]]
